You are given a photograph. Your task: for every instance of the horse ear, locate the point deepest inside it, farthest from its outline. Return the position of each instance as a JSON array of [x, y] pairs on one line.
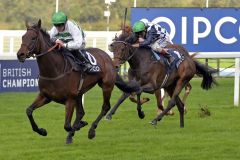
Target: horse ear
[[26, 24], [39, 23]]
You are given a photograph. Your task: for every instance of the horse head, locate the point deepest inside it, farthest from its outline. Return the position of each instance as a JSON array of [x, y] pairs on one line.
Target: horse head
[[30, 44], [122, 52]]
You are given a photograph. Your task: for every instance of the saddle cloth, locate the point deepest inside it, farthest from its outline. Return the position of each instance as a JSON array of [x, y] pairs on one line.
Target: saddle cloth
[[178, 58], [93, 61], [78, 65]]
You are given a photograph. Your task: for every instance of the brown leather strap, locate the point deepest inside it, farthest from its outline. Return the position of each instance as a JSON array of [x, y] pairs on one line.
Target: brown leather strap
[[53, 47]]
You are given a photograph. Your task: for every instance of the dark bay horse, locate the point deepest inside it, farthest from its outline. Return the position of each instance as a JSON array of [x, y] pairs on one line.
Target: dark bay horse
[[152, 74], [58, 82], [133, 74]]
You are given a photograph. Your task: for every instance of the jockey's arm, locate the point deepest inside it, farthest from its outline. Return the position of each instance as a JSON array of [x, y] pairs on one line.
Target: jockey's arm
[[146, 42], [131, 39], [151, 37]]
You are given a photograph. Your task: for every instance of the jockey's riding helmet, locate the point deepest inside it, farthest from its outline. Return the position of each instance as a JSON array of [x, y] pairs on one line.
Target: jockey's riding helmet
[[138, 26], [145, 21], [59, 18]]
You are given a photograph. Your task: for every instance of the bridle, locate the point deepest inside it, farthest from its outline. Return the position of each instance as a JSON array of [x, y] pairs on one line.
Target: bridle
[[30, 52], [122, 58]]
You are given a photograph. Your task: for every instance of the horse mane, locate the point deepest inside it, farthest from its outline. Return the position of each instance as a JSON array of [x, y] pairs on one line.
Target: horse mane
[[127, 29], [46, 36], [43, 31]]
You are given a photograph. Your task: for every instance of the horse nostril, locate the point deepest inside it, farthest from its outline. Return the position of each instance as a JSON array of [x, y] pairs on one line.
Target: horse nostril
[[21, 57]]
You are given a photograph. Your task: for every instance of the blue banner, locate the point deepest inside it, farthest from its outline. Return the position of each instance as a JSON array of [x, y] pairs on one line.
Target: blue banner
[[18, 77], [197, 29]]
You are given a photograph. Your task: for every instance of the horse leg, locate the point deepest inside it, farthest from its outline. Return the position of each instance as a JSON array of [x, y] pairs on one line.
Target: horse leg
[[141, 114], [39, 102], [159, 98], [69, 109], [146, 88], [179, 86], [78, 123], [180, 106], [142, 101], [162, 100], [105, 108], [188, 88], [120, 100]]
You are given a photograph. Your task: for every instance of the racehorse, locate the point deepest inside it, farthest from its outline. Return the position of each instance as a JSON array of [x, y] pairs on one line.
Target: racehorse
[[151, 75], [126, 31], [60, 83]]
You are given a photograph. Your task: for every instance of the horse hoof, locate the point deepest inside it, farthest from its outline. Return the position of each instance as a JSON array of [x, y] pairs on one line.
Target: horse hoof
[[80, 125], [68, 128], [153, 122], [91, 133], [108, 117], [141, 115], [42, 132], [69, 140], [146, 99]]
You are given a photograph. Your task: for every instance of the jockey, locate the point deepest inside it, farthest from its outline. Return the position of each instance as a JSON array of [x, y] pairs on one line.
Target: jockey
[[70, 36], [154, 36]]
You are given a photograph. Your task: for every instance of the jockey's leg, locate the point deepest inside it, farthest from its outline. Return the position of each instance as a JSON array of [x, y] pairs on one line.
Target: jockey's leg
[[159, 47], [86, 62], [166, 53]]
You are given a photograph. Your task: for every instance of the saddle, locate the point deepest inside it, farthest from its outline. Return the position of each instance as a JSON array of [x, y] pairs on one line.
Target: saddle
[[178, 58], [77, 62]]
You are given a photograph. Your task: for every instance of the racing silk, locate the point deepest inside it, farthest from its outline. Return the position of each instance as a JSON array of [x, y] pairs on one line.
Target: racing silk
[[72, 36], [131, 39], [154, 32]]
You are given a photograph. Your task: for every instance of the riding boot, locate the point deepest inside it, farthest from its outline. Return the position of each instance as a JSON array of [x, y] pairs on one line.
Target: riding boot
[[86, 62], [167, 54]]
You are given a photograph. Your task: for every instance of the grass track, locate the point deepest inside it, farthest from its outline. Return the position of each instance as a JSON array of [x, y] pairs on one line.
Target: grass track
[[125, 137]]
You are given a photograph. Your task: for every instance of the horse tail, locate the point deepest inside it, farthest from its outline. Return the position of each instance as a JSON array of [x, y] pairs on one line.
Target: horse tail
[[206, 72], [128, 88]]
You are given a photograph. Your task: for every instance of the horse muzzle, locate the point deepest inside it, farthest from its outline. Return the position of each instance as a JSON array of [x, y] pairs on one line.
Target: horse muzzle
[[21, 57], [116, 63]]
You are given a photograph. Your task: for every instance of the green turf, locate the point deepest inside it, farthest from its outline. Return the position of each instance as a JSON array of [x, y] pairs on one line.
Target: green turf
[[125, 137]]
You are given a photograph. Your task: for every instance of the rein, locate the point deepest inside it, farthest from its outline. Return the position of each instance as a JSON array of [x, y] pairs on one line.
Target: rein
[[128, 58], [65, 66], [41, 54], [49, 50]]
